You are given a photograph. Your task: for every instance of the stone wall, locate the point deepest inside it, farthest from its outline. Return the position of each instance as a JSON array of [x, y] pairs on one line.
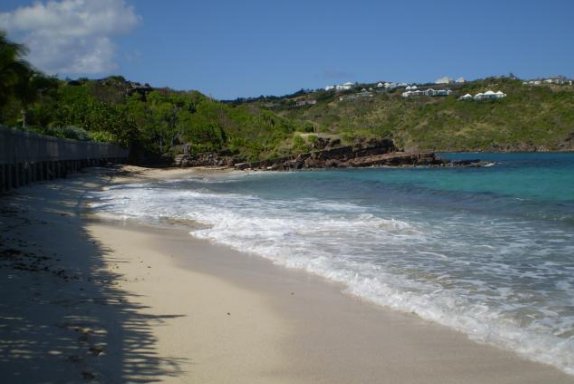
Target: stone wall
[[27, 157]]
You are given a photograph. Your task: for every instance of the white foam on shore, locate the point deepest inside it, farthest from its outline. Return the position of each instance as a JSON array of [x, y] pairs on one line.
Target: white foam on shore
[[455, 274]]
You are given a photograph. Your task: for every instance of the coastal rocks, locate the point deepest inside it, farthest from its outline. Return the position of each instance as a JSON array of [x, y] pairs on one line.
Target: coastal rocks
[[338, 157], [390, 159], [371, 153], [398, 159], [203, 160], [374, 153]]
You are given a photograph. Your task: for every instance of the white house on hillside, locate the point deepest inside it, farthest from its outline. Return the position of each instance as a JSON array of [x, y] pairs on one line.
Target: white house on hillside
[[427, 92], [344, 87], [489, 95], [444, 80], [340, 87]]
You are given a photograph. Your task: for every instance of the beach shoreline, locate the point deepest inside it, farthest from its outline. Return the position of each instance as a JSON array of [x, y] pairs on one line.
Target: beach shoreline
[[154, 304]]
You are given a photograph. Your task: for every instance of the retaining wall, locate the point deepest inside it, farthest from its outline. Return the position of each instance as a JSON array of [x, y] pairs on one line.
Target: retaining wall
[[28, 157]]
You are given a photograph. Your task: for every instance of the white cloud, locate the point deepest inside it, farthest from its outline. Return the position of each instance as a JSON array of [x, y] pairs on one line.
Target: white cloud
[[71, 36]]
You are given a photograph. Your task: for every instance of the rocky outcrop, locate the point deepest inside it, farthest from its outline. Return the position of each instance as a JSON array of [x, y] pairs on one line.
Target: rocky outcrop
[[203, 160], [309, 161], [373, 153]]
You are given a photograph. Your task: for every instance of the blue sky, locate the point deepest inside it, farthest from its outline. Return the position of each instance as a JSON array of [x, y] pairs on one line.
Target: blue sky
[[230, 48]]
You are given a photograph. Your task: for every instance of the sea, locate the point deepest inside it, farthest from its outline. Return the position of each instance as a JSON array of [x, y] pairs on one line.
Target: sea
[[487, 251]]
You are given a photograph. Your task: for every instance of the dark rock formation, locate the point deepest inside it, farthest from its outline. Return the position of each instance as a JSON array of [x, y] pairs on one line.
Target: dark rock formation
[[209, 159], [373, 153]]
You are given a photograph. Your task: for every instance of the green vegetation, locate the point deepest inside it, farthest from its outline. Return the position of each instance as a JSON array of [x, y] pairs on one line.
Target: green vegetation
[[159, 122], [530, 118]]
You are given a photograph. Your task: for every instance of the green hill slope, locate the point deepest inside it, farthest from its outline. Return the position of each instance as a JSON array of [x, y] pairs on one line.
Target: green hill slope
[[529, 118]]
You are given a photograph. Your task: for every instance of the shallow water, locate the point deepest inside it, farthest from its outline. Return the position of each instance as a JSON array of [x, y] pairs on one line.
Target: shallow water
[[487, 251]]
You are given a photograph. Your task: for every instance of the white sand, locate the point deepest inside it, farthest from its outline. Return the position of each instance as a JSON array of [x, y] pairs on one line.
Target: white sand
[[116, 304]]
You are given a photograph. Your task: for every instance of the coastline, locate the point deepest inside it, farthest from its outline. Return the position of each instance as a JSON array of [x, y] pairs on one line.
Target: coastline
[[154, 304]]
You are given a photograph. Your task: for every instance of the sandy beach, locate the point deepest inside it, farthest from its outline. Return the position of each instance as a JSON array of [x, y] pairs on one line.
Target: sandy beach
[[89, 299]]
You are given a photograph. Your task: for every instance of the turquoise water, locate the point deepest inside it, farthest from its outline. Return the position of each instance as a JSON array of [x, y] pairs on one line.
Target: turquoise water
[[487, 251]]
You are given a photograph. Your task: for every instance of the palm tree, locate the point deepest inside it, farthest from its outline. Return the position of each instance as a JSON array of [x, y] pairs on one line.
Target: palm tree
[[12, 67], [18, 79], [16, 75]]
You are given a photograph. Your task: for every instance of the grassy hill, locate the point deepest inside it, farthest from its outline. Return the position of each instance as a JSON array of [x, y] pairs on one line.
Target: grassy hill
[[530, 118]]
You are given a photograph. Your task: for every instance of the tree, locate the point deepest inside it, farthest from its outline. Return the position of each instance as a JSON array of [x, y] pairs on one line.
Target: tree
[[18, 80], [29, 88], [12, 67]]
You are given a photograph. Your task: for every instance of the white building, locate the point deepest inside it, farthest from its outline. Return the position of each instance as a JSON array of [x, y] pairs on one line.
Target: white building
[[444, 80], [468, 96], [340, 87], [489, 95], [442, 92], [552, 80], [427, 92], [344, 87]]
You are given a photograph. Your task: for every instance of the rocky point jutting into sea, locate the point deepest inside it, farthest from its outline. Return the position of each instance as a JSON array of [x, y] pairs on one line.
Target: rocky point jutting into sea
[[330, 154]]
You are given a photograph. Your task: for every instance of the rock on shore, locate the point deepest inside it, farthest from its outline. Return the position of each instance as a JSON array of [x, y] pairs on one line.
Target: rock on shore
[[373, 153]]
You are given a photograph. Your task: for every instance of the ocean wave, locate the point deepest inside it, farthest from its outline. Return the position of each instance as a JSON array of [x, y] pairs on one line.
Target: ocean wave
[[471, 272]]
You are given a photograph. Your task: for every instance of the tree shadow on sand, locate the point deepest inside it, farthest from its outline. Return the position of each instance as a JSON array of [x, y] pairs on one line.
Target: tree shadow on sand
[[63, 316]]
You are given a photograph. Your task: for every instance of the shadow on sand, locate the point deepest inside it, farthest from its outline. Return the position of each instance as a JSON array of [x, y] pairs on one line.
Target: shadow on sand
[[64, 317]]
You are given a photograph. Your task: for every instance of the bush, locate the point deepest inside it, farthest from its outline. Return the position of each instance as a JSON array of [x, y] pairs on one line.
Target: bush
[[68, 132]]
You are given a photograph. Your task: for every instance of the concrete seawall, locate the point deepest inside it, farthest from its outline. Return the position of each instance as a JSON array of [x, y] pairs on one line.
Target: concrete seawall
[[27, 157]]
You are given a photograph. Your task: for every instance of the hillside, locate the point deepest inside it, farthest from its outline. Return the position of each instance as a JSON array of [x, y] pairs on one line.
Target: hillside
[[531, 117], [154, 123], [159, 123]]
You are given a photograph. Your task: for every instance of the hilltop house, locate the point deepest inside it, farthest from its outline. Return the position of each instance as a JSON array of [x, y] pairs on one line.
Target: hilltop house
[[390, 86], [560, 80], [444, 80], [489, 95], [427, 92], [344, 87], [340, 87]]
